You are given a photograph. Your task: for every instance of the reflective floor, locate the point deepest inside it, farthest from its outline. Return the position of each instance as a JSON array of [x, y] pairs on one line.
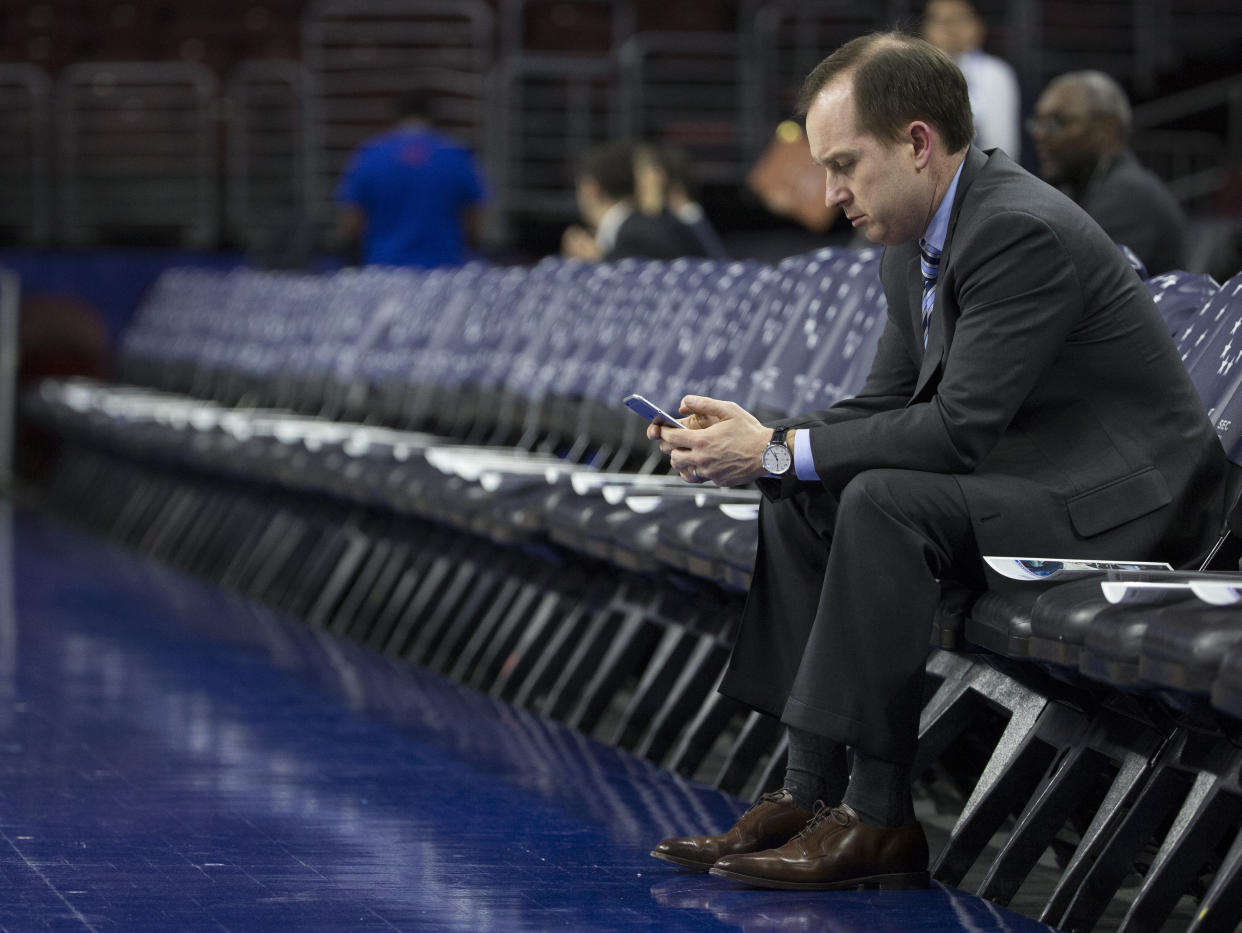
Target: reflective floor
[[175, 759]]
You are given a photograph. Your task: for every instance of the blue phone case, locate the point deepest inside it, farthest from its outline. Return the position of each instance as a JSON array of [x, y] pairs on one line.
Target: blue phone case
[[650, 410]]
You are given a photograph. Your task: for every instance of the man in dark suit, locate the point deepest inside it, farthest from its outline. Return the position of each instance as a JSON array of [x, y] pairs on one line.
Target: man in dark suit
[[1025, 398], [1081, 127]]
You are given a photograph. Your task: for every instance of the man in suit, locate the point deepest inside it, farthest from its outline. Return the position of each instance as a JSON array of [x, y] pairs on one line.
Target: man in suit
[[1080, 127], [1025, 398], [615, 228]]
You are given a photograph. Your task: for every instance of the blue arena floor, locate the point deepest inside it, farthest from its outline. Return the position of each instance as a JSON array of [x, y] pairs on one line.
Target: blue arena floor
[[176, 759]]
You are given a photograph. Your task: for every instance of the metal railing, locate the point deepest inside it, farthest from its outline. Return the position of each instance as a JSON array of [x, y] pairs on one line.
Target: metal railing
[[598, 25], [688, 89], [1194, 162], [363, 54], [787, 38], [271, 159], [131, 147], [25, 147], [545, 109], [138, 151]]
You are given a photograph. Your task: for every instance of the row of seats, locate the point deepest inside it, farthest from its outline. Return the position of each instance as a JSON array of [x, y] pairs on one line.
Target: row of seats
[[554, 553]]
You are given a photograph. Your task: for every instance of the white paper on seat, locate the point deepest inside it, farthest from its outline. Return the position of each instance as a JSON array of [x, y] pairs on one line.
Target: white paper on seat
[[1218, 592], [1143, 591], [1060, 568]]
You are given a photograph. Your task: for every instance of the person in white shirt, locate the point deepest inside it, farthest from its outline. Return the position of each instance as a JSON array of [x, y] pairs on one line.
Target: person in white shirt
[[956, 28]]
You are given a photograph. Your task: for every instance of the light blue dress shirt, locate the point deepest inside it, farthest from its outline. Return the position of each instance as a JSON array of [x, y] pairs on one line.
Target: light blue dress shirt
[[937, 230]]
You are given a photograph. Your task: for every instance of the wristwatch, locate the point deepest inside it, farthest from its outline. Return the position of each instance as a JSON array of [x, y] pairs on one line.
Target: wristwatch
[[777, 458]]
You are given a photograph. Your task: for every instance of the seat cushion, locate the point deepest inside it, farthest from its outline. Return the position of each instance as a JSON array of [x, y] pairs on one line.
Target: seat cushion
[[1185, 645], [1001, 622], [1227, 688], [1061, 618], [1110, 648]]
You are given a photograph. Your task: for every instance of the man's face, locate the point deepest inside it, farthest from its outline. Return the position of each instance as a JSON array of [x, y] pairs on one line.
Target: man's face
[[878, 186], [952, 26], [1069, 138], [650, 183]]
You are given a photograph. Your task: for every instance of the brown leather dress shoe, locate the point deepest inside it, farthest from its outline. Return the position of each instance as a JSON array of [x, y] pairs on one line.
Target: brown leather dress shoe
[[834, 851], [770, 822]]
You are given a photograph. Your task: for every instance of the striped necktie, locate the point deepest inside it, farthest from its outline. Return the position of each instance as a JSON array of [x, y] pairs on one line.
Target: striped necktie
[[929, 263]]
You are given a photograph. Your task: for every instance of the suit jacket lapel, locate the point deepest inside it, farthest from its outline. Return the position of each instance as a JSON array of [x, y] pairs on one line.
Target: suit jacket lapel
[[937, 344]]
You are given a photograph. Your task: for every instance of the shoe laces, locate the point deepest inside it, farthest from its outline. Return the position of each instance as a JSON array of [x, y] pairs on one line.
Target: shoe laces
[[771, 797], [823, 812]]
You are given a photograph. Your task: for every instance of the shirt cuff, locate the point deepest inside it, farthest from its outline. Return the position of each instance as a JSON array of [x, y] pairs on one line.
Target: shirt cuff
[[804, 460]]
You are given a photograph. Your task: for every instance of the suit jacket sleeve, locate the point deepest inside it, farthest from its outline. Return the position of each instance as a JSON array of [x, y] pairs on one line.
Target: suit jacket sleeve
[[1006, 301]]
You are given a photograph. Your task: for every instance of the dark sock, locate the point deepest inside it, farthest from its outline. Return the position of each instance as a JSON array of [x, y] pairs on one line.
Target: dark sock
[[879, 791], [816, 769]]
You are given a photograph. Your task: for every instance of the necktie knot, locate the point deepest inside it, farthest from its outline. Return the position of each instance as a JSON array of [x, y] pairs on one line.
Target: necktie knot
[[929, 262]]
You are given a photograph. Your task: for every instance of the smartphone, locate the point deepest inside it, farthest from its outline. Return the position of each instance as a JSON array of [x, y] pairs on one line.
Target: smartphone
[[650, 411]]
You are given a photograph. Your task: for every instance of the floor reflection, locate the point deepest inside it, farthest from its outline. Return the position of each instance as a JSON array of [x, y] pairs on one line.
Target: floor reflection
[[185, 755], [753, 911], [178, 759]]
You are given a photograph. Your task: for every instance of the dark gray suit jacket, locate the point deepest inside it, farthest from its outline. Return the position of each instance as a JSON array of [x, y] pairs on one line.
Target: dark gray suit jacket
[[1050, 386], [1135, 208]]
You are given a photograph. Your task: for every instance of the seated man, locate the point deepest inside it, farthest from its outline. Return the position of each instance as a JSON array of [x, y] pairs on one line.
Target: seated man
[[615, 228], [1081, 127], [662, 185], [1007, 411]]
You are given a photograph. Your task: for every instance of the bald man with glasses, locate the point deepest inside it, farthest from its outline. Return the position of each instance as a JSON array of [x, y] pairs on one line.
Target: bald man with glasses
[[1081, 129]]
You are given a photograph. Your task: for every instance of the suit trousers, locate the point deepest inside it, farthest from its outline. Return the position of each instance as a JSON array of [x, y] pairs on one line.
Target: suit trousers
[[834, 636]]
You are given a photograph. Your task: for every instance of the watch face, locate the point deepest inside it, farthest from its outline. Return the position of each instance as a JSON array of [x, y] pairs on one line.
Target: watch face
[[777, 458]]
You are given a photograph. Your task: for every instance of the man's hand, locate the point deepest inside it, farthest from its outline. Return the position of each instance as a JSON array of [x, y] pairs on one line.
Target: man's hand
[[718, 441]]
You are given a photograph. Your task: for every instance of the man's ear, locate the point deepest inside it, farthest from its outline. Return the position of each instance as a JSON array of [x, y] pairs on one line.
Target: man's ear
[[921, 137], [1106, 133]]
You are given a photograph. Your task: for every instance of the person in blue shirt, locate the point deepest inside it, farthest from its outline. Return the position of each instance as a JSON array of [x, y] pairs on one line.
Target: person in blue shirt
[[411, 194]]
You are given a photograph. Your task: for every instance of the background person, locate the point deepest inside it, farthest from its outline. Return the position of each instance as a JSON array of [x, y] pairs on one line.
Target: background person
[[662, 183], [956, 27], [613, 226], [411, 195], [1081, 127], [1003, 414]]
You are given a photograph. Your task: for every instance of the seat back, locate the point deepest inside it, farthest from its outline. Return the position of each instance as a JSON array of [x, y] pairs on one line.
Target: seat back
[[1180, 296], [1214, 361]]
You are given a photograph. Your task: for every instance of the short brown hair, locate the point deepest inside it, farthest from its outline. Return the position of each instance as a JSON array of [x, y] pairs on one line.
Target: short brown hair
[[898, 78], [611, 164]]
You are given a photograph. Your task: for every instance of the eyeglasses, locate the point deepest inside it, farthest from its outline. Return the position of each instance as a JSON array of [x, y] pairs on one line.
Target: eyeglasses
[[1052, 122]]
